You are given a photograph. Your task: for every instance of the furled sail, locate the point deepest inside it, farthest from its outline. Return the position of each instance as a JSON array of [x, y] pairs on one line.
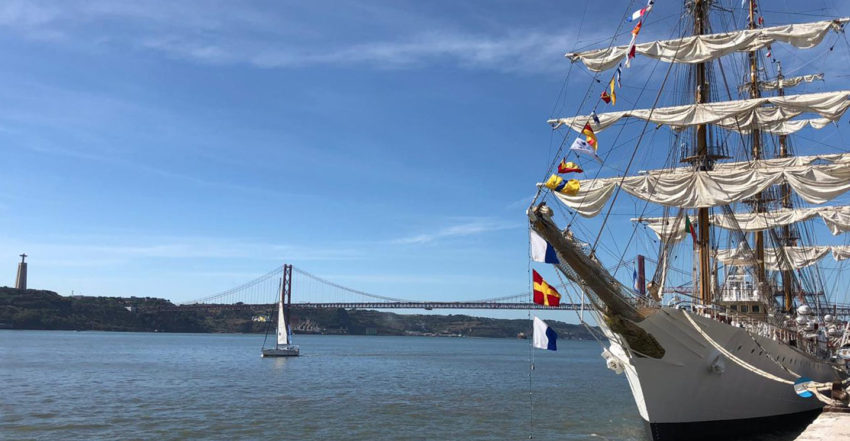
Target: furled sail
[[732, 115], [786, 127], [783, 83], [785, 258], [701, 48], [681, 187], [672, 229]]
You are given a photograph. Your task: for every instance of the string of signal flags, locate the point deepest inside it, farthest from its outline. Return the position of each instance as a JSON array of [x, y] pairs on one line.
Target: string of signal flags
[[590, 145]]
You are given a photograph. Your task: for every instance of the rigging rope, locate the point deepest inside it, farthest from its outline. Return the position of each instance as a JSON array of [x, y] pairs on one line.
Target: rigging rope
[[732, 356]]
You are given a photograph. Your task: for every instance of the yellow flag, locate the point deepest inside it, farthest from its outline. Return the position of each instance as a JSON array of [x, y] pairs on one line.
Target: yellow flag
[[613, 93]]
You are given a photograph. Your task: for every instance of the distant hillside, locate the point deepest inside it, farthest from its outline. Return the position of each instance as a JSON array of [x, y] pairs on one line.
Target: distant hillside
[[36, 309]]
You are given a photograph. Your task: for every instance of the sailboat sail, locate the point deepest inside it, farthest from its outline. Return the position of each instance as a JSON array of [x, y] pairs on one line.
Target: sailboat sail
[[701, 48], [282, 333]]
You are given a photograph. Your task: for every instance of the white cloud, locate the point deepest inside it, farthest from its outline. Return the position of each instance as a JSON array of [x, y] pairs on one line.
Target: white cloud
[[464, 229], [108, 251], [524, 51]]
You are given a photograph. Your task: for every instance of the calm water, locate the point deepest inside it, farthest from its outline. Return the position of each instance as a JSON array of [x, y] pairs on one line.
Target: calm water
[[97, 385]]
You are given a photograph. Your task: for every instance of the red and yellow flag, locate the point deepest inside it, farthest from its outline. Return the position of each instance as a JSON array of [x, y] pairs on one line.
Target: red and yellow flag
[[636, 30], [591, 137], [543, 293], [568, 167]]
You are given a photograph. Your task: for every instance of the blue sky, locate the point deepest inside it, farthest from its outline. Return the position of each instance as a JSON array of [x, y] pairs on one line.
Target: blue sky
[[176, 149]]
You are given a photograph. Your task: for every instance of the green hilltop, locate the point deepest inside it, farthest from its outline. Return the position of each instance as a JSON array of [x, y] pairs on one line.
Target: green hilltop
[[39, 309]]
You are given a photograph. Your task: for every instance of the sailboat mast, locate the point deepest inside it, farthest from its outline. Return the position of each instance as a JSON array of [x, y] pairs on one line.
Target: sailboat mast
[[702, 95], [757, 153], [787, 280]]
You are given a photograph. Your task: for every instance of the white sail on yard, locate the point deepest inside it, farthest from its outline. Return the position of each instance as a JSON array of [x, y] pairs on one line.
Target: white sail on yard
[[732, 115], [784, 83], [785, 258], [701, 48], [784, 127], [672, 229], [688, 188]]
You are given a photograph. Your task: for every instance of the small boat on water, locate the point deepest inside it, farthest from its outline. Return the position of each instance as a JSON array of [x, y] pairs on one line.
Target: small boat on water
[[283, 345]]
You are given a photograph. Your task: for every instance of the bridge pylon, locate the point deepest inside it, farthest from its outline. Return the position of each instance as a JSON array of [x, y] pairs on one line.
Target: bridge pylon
[[286, 292]]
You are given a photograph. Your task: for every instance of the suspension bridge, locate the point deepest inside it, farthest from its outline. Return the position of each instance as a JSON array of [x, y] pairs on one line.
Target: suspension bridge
[[309, 291], [312, 292]]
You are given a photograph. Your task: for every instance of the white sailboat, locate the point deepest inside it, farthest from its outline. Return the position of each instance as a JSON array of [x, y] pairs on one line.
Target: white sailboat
[[723, 362], [283, 344]]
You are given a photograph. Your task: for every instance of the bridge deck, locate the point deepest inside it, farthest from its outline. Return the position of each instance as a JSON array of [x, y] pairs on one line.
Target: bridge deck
[[387, 305]]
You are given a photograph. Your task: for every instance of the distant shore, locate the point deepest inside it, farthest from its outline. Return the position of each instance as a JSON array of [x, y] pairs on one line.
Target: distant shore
[[47, 310]]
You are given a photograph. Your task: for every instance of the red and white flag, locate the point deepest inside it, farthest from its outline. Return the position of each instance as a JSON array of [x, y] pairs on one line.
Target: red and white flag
[[639, 13]]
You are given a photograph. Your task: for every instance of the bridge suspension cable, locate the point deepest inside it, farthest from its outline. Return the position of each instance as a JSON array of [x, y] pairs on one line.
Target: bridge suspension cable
[[353, 291], [239, 289]]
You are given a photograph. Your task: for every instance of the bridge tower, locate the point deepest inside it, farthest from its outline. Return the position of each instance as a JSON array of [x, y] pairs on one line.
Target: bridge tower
[[21, 279], [286, 293]]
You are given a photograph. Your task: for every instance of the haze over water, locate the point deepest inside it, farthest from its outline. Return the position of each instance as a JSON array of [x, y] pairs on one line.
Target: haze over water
[[99, 385]]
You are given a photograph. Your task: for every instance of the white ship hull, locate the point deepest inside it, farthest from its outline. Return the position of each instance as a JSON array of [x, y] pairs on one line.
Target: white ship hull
[[694, 388]]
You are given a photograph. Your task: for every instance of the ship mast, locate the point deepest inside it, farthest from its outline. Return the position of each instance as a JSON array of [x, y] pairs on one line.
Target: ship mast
[[702, 95], [757, 154], [787, 280]]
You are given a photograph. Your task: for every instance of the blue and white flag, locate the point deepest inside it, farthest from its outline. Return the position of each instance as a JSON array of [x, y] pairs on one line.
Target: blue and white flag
[[541, 251], [619, 71], [544, 336]]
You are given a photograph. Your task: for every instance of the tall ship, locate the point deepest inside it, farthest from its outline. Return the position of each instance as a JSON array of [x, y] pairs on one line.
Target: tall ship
[[733, 236]]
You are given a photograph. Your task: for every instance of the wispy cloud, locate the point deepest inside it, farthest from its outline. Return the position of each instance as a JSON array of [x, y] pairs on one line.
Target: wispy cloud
[[468, 228], [105, 250], [520, 203], [220, 33], [519, 51]]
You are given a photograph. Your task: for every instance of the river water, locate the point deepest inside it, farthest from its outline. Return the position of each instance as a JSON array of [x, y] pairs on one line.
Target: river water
[[96, 385]]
